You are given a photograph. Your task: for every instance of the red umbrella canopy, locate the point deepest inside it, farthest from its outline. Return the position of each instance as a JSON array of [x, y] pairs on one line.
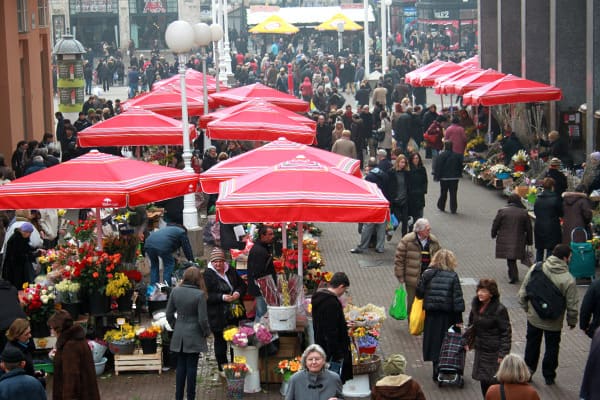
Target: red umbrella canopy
[[193, 79], [472, 82], [260, 122], [167, 101], [269, 155], [205, 119], [427, 78], [300, 190], [443, 84], [471, 62], [134, 127], [257, 90], [96, 180], [512, 89], [408, 78]]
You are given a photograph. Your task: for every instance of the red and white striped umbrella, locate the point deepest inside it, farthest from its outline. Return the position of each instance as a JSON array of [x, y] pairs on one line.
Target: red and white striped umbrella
[[512, 89], [257, 90], [167, 101]]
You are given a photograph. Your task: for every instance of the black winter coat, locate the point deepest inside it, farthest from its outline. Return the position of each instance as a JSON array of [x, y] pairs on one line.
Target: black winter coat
[[331, 332], [441, 291], [492, 337], [448, 165], [11, 309], [560, 181], [548, 209], [417, 189], [260, 264], [18, 267], [589, 315], [218, 309]]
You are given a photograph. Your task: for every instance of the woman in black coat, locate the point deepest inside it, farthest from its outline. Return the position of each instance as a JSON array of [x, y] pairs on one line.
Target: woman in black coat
[[224, 288], [398, 191], [417, 187], [548, 209], [443, 302], [490, 332], [18, 258]]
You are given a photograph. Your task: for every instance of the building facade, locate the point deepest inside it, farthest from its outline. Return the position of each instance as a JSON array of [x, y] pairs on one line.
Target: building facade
[[451, 23], [555, 42], [25, 73]]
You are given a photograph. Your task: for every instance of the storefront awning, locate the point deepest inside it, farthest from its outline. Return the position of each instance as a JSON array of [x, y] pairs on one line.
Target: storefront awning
[[310, 16]]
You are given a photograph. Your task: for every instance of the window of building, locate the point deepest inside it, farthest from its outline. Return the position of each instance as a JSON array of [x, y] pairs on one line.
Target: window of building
[[43, 13], [22, 15], [149, 20]]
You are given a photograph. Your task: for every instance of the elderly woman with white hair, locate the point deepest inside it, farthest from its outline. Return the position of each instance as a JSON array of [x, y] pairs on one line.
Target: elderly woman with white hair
[[513, 377], [314, 381]]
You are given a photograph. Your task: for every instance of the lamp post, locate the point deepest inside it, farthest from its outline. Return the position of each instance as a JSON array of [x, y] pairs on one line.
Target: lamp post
[[384, 4], [225, 56], [216, 35], [203, 37], [179, 37], [366, 37], [340, 31], [388, 4]]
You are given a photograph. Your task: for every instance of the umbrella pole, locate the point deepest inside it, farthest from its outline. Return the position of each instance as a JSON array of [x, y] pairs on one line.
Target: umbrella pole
[[489, 132], [300, 248], [284, 235], [98, 230]]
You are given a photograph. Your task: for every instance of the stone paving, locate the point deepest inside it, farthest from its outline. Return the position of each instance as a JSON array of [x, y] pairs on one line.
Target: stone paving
[[467, 233]]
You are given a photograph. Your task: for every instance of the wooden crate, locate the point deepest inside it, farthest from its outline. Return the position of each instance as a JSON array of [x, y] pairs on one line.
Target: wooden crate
[[139, 362]]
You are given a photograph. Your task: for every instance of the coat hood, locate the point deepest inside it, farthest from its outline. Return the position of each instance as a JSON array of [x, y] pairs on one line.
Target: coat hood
[[75, 332], [322, 295], [571, 198], [555, 265], [393, 380]]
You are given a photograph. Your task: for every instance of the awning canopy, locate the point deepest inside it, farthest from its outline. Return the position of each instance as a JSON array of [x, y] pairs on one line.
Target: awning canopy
[[274, 24], [308, 16], [333, 23]]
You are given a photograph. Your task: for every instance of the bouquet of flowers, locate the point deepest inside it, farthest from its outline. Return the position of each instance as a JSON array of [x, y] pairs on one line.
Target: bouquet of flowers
[[499, 168], [236, 370], [94, 268], [520, 157], [315, 277], [124, 244], [118, 284], [46, 260], [83, 230], [68, 291], [248, 335], [149, 333], [288, 367], [367, 338], [38, 302], [367, 323]]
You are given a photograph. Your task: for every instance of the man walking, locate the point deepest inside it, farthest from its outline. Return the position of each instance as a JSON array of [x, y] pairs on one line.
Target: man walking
[[260, 264], [557, 270], [448, 171], [413, 255], [329, 323]]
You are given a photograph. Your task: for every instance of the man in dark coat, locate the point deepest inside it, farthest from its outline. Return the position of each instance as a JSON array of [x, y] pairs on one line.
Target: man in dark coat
[[402, 128], [329, 323], [260, 264], [323, 133], [15, 383], [448, 171], [10, 310], [428, 117], [560, 180], [162, 243], [512, 230], [548, 210], [17, 267], [589, 314], [590, 386]]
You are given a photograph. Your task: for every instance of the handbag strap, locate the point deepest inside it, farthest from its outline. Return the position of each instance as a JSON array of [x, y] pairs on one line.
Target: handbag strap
[[502, 394]]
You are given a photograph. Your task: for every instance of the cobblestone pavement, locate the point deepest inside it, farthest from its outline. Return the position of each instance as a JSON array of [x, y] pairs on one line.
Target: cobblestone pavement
[[467, 233]]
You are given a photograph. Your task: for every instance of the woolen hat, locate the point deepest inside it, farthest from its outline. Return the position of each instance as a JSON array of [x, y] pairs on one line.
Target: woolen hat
[[595, 156], [26, 227], [394, 365], [11, 354], [555, 162], [217, 255]]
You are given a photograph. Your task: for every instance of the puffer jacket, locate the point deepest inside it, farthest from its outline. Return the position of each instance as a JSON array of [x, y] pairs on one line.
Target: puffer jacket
[[558, 272], [407, 266], [440, 290]]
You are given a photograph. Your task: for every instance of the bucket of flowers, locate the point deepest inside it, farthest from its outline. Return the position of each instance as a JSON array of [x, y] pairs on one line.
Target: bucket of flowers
[[501, 171], [147, 338], [38, 304], [119, 287], [235, 373], [68, 295], [122, 340], [287, 368], [248, 335]]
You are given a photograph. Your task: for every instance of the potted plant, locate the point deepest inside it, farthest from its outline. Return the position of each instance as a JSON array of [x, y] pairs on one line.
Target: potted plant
[[38, 304], [120, 287], [68, 296], [520, 160], [235, 374], [147, 338], [501, 171], [122, 340]]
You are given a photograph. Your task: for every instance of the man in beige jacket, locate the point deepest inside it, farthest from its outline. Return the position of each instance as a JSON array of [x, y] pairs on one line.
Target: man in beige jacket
[[413, 255], [344, 146]]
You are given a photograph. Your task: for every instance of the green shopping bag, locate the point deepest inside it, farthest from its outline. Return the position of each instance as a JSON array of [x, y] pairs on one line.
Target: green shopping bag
[[398, 308]]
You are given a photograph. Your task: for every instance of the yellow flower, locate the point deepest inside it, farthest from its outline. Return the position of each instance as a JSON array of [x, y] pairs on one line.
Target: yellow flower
[[239, 360], [228, 334], [25, 285]]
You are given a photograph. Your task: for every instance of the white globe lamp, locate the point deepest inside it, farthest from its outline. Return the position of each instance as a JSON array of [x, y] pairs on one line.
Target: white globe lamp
[[180, 36]]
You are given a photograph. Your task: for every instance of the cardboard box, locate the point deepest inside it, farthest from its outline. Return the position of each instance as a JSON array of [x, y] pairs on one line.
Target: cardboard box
[[289, 347]]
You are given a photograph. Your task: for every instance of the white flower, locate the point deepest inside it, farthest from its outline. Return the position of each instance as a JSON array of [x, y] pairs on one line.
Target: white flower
[[44, 299], [50, 288], [68, 268], [44, 291]]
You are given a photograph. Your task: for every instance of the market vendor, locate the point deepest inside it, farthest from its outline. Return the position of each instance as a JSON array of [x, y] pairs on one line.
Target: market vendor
[[163, 243], [260, 264]]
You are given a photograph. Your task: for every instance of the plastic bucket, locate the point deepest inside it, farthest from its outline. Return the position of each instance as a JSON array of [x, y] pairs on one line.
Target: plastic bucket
[[282, 318]]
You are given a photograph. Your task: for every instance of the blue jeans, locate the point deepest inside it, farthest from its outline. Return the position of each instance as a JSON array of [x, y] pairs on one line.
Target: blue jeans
[[88, 86], [261, 307], [187, 367], [168, 265]]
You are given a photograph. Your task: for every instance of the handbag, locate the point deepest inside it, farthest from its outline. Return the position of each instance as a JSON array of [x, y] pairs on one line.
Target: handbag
[[398, 308], [378, 135], [469, 336], [527, 260], [416, 322]]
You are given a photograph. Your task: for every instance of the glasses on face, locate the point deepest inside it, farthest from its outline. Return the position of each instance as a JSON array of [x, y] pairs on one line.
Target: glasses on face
[[314, 359]]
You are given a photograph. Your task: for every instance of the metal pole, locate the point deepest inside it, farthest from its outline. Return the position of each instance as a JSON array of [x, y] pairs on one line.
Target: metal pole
[[216, 64], [190, 214], [226, 48], [366, 38], [383, 38]]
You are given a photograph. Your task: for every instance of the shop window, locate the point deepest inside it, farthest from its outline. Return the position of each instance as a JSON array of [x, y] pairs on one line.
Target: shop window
[[22, 15], [43, 13], [149, 20]]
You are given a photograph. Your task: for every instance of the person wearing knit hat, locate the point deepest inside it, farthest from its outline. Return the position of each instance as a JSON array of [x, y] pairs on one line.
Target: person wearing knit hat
[[225, 290], [15, 383], [555, 162], [560, 180], [396, 385]]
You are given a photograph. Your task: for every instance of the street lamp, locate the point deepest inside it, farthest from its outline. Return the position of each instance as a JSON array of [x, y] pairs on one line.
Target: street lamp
[[203, 37], [384, 5], [216, 35], [366, 37], [179, 37]]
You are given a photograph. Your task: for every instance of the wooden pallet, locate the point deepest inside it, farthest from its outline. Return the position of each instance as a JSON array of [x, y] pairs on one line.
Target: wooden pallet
[[139, 362]]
